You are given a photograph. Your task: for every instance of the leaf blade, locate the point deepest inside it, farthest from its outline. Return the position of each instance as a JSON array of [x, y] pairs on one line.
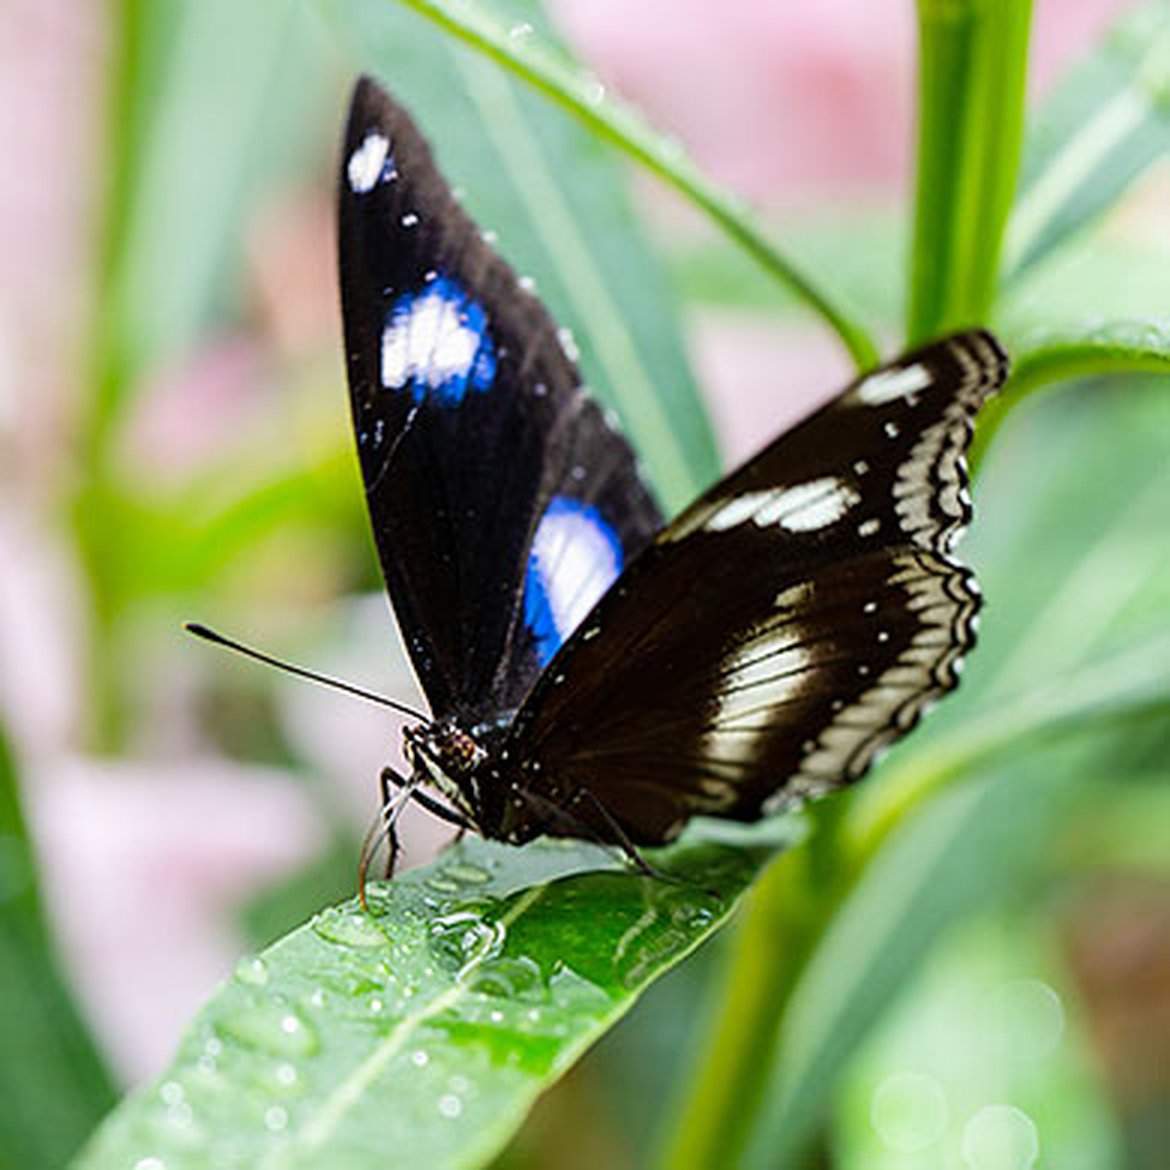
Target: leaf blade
[[46, 1116], [1066, 354], [479, 982]]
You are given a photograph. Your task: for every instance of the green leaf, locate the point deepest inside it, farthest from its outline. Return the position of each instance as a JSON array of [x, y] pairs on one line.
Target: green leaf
[[862, 246], [517, 45], [1094, 137], [420, 1035], [1066, 354], [52, 1081], [1102, 694], [1085, 567]]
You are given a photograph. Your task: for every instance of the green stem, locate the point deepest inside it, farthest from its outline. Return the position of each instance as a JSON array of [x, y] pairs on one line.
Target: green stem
[[580, 96], [973, 58], [973, 67], [716, 1117], [94, 501]]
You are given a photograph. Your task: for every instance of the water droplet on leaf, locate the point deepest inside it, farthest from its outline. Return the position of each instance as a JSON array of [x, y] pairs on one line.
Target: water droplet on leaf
[[505, 978], [252, 971], [270, 1028], [463, 871], [351, 930]]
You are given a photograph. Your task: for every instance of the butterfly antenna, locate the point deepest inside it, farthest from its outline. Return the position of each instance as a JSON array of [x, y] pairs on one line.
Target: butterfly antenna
[[217, 639]]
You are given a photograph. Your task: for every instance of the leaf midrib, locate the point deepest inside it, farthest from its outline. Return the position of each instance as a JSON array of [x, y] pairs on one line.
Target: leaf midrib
[[326, 1120]]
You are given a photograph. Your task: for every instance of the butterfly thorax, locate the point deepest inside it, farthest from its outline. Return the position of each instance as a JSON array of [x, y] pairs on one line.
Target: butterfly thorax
[[472, 773], [451, 760]]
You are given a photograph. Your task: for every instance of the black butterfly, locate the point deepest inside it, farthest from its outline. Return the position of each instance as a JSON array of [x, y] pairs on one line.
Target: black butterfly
[[592, 672]]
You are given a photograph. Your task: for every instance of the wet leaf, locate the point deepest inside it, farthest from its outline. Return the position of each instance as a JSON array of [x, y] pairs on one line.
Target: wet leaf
[[420, 1034]]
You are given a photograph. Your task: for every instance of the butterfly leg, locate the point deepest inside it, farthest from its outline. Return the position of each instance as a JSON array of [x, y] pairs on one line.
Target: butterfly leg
[[450, 816], [620, 837], [384, 827], [386, 778]]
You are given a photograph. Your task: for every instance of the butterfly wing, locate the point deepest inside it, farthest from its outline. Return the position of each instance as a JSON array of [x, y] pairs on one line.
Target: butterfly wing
[[796, 619], [503, 503]]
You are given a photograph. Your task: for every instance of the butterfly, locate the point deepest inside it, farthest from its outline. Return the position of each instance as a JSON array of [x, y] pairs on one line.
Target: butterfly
[[593, 671]]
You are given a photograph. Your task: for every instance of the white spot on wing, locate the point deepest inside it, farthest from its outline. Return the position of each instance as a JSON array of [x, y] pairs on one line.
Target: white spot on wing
[[809, 506], [903, 689], [428, 339], [896, 382], [757, 677], [568, 344], [736, 512], [577, 559], [802, 508], [365, 164]]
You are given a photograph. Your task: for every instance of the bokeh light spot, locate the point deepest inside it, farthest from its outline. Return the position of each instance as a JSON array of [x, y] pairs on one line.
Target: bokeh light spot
[[908, 1112], [1000, 1137]]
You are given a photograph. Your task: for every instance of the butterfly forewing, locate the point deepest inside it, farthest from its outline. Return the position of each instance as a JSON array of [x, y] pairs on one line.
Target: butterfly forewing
[[791, 623], [503, 504]]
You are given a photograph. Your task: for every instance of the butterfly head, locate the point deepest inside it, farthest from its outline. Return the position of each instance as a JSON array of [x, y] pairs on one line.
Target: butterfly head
[[445, 757]]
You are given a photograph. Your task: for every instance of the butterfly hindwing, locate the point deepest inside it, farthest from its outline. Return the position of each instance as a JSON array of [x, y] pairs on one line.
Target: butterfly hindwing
[[787, 626], [502, 502]]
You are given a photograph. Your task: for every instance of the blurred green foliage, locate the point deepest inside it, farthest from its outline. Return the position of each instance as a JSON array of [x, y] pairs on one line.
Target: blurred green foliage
[[851, 1019], [53, 1083]]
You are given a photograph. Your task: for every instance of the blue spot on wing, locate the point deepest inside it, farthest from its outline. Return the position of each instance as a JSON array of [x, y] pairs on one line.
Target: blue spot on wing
[[482, 369], [436, 343], [538, 617], [575, 556]]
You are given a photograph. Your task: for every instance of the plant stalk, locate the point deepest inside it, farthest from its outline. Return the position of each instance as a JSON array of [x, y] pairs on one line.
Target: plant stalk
[[973, 59]]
